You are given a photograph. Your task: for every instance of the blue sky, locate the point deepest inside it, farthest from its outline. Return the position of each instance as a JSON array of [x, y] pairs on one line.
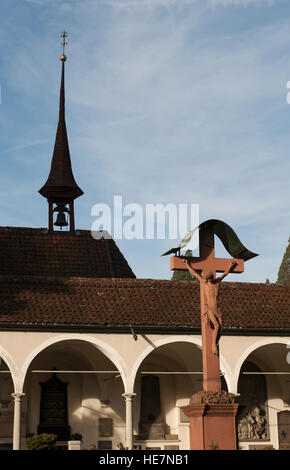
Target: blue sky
[[168, 101]]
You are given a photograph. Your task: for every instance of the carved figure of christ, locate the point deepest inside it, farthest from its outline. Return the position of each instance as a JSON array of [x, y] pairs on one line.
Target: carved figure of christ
[[210, 290]]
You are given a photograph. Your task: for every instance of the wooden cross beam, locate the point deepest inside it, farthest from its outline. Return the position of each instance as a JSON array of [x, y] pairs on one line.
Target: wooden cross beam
[[206, 261]]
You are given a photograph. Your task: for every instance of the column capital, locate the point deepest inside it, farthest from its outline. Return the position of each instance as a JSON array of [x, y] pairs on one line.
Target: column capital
[[128, 395], [18, 396]]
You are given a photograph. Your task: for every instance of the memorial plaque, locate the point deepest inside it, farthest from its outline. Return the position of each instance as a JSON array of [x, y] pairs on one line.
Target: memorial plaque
[[6, 416], [105, 445], [171, 437], [6, 446], [260, 447], [53, 409], [284, 429], [151, 425], [105, 427]]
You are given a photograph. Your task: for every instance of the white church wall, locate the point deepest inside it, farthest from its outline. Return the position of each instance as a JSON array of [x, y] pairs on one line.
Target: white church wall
[[168, 400], [87, 401]]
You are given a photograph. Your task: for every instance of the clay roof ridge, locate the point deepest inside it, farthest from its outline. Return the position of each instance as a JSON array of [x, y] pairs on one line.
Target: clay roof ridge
[[134, 282]]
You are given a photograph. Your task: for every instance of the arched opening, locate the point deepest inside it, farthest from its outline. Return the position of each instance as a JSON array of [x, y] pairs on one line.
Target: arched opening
[[6, 406], [165, 381], [71, 388], [264, 393]]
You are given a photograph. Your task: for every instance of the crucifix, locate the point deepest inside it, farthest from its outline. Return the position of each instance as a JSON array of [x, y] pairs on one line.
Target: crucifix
[[212, 411], [204, 268]]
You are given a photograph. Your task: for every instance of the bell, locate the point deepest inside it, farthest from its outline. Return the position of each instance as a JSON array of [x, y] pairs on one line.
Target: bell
[[60, 219]]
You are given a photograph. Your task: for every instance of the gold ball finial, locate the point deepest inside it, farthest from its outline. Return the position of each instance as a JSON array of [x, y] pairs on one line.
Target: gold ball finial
[[63, 57]]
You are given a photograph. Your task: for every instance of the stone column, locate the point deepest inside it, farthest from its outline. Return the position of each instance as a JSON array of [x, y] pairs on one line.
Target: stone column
[[129, 419], [17, 420]]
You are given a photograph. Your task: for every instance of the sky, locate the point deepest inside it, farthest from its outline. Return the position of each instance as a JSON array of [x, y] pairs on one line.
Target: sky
[[167, 101]]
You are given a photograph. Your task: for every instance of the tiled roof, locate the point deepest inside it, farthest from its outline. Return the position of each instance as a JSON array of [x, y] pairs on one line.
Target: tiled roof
[[79, 302], [35, 252]]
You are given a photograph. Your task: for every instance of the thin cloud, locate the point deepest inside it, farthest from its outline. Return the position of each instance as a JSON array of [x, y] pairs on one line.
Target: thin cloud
[[151, 4], [25, 146], [125, 4]]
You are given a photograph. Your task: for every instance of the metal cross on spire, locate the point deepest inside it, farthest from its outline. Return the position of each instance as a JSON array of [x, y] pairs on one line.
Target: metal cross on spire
[[63, 44]]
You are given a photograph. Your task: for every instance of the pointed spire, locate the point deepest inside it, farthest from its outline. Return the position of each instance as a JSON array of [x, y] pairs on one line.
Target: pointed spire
[[61, 179], [61, 186]]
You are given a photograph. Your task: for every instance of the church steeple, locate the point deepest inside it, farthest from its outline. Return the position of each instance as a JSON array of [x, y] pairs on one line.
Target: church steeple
[[61, 189]]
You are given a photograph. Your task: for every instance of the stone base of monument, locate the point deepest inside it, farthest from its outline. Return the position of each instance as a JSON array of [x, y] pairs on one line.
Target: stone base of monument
[[212, 421]]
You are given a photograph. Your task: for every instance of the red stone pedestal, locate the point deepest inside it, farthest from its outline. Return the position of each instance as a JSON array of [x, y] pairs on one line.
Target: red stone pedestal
[[212, 423]]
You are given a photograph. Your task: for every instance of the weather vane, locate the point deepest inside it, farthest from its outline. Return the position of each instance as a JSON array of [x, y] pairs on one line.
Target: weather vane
[[63, 44]]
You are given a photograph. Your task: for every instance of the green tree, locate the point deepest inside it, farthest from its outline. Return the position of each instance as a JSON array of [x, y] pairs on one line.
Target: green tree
[[284, 271], [183, 275], [42, 441]]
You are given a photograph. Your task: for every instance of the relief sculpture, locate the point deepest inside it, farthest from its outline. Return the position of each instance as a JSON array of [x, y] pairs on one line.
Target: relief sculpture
[[253, 425], [253, 422]]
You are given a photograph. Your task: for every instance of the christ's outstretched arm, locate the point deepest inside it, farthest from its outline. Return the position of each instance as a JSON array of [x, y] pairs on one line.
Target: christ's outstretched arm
[[227, 271], [192, 271]]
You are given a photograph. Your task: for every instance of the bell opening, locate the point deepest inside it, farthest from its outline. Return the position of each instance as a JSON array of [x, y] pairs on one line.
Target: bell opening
[[61, 219]]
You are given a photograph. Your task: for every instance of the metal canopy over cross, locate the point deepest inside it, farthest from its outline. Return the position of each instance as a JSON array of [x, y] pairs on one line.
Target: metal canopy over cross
[[207, 263]]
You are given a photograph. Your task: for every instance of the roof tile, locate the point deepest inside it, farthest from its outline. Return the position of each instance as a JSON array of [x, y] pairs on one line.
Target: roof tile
[[35, 252], [88, 302]]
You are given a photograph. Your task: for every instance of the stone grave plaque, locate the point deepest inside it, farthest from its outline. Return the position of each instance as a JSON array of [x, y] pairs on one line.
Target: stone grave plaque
[[171, 437], [6, 446], [105, 427], [6, 416], [284, 429], [53, 409], [105, 445], [260, 447], [151, 425]]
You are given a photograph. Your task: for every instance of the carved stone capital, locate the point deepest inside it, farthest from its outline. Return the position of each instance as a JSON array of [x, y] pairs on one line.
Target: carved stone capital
[[18, 396], [128, 396], [218, 397]]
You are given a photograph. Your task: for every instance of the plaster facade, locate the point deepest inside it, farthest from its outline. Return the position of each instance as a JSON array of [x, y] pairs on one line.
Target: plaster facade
[[120, 361]]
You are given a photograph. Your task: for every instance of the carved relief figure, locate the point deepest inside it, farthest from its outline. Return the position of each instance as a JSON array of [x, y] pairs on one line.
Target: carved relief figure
[[253, 425], [253, 422]]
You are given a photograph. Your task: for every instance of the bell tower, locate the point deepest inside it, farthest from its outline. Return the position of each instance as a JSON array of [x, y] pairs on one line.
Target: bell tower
[[61, 189]]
